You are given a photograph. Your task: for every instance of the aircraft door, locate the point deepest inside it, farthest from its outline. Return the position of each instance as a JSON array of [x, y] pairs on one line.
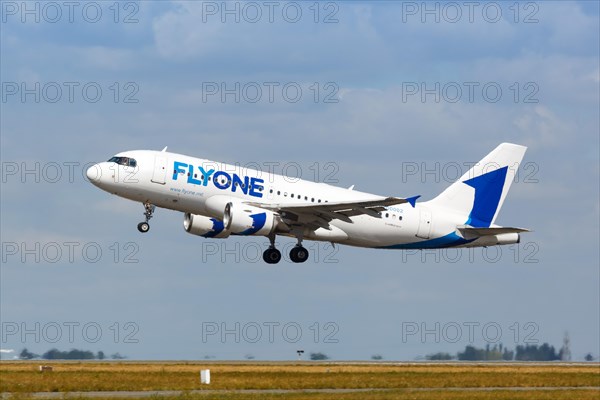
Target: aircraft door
[[160, 170], [424, 229]]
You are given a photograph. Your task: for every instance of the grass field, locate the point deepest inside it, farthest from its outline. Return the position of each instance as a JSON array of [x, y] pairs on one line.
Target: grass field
[[23, 377], [391, 395]]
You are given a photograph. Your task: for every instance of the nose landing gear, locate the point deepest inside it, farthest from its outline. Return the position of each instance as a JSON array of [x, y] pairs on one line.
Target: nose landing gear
[[144, 226]]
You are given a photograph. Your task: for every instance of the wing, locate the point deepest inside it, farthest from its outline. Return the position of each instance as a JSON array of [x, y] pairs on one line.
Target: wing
[[320, 214]]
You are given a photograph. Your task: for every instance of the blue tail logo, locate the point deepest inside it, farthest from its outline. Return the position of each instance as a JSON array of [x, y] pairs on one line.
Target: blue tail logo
[[488, 190]]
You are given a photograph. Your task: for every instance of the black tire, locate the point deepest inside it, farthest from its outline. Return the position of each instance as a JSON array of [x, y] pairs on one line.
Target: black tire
[[272, 256], [143, 227], [299, 254]]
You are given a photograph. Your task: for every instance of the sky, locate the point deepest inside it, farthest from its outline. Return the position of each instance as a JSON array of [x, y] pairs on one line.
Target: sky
[[396, 98]]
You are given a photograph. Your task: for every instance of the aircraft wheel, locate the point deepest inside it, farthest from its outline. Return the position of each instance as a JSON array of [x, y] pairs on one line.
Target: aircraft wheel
[[272, 256], [299, 254], [143, 227]]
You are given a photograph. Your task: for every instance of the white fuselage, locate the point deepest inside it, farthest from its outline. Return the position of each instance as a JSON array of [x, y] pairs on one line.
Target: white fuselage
[[183, 183]]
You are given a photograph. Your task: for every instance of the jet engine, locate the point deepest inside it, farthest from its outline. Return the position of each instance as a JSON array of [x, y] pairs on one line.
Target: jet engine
[[239, 218], [204, 226], [242, 219]]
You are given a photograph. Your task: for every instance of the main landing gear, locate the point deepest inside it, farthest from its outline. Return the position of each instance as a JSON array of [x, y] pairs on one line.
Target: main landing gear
[[144, 226], [298, 254], [272, 256]]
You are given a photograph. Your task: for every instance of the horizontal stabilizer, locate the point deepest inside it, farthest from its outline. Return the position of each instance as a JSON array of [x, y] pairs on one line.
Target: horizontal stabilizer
[[469, 232]]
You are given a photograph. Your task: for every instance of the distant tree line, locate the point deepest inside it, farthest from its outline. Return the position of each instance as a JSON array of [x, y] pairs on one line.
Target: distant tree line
[[319, 356], [530, 352], [498, 352], [73, 354]]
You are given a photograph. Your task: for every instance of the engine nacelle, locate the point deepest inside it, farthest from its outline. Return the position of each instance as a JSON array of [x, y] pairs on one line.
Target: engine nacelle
[[242, 219], [239, 218], [204, 226]]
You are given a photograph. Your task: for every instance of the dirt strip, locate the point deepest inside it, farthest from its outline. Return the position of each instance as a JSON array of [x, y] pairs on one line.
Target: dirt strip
[[138, 394]]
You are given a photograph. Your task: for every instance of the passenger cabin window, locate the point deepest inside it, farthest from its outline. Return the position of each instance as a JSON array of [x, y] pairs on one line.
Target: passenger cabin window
[[126, 161]]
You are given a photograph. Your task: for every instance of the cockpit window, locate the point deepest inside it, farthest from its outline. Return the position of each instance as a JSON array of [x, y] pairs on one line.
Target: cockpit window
[[126, 161]]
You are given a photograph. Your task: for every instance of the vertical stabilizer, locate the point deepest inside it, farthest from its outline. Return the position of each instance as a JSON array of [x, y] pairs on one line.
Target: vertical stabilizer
[[480, 192]]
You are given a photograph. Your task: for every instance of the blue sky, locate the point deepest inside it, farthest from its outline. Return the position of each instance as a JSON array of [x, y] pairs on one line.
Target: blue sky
[[542, 55]]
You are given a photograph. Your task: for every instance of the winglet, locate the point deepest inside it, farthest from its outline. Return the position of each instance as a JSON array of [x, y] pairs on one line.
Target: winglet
[[351, 187], [413, 200], [165, 149]]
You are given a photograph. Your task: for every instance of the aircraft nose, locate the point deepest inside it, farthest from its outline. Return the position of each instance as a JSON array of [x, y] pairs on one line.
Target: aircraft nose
[[94, 173]]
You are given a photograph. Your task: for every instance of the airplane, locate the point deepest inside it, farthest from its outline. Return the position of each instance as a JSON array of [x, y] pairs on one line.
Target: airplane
[[219, 200]]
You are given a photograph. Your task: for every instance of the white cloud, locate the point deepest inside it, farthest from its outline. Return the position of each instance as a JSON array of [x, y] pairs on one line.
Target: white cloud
[[181, 32], [541, 127], [594, 76], [107, 58], [572, 29]]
